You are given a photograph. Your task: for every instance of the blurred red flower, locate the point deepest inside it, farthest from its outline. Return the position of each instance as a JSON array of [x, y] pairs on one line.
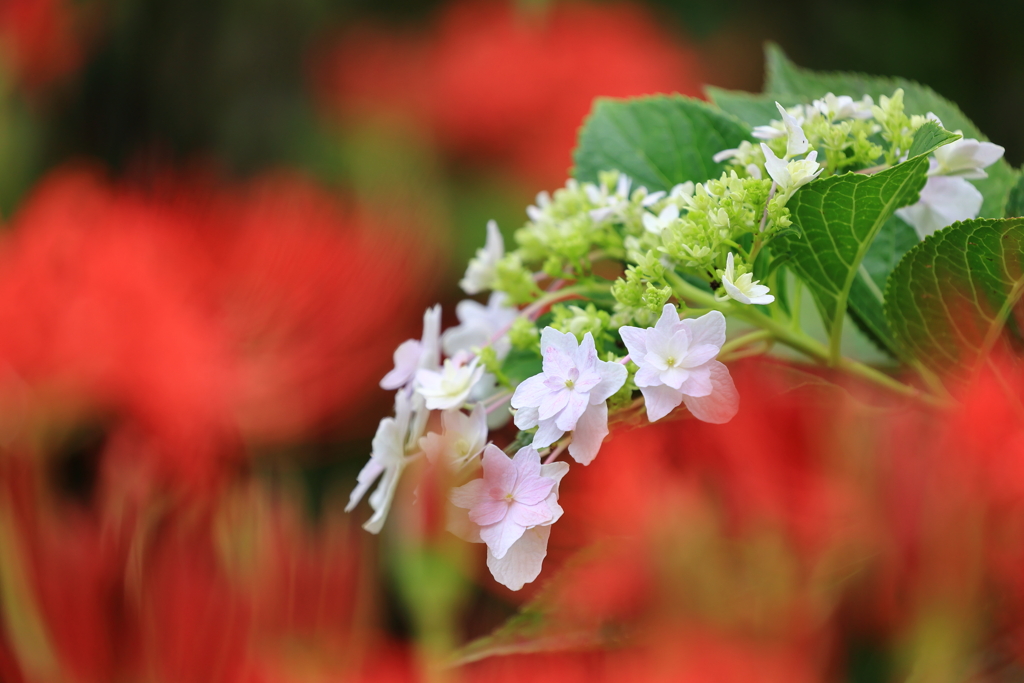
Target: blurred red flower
[[38, 40], [505, 87]]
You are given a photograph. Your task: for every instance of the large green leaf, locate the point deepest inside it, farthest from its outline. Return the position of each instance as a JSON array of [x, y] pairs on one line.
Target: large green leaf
[[752, 109], [658, 141], [784, 78], [838, 219], [952, 296]]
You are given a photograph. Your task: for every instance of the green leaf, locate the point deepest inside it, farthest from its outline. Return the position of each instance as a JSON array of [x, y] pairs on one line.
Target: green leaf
[[949, 301], [839, 218], [657, 141], [1015, 202], [754, 110], [786, 78]]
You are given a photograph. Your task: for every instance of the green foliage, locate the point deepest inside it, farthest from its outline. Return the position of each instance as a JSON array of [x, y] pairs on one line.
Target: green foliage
[[838, 219], [658, 141], [949, 301], [787, 79], [1015, 202]]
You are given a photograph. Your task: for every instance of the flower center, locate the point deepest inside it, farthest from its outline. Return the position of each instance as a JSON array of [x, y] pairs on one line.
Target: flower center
[[462, 447], [670, 361], [569, 384]]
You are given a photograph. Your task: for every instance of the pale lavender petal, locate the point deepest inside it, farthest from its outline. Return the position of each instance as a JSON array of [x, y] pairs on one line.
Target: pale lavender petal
[[556, 364], [660, 401], [407, 358], [527, 417], [500, 537], [554, 402], [698, 382], [648, 376], [674, 377], [469, 495], [523, 561], [707, 329], [547, 434], [586, 355], [723, 402], [371, 470], [590, 431], [635, 340], [613, 376], [668, 320], [699, 355], [528, 516], [530, 392], [564, 342], [566, 420]]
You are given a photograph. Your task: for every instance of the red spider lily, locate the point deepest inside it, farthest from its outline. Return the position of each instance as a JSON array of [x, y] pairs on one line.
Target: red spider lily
[[505, 87], [38, 40]]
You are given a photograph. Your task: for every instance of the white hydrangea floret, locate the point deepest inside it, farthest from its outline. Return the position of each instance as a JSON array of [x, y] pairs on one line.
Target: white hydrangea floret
[[676, 360], [479, 325], [388, 458], [656, 224], [450, 386], [791, 175], [744, 288], [569, 395], [965, 158], [462, 438], [844, 107], [944, 200], [482, 269], [412, 354]]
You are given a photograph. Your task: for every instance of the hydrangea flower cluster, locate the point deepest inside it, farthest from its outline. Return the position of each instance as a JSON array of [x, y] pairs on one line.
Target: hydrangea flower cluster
[[592, 318]]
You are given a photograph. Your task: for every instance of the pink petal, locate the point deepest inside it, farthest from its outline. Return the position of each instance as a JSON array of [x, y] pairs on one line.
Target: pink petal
[[660, 401], [723, 402], [527, 462], [469, 495], [500, 537], [590, 431], [499, 472], [490, 510], [533, 490], [528, 516], [530, 392], [523, 561]]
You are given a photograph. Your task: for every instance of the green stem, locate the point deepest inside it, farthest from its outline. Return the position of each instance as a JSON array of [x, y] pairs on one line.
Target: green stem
[[795, 339]]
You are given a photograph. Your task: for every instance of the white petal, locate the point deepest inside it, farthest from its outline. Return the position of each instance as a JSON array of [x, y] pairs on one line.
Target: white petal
[[944, 201], [613, 376], [590, 431], [635, 340], [500, 536], [548, 433], [660, 401], [407, 358], [371, 470], [723, 402], [523, 561], [527, 417], [776, 167], [707, 329], [530, 392]]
